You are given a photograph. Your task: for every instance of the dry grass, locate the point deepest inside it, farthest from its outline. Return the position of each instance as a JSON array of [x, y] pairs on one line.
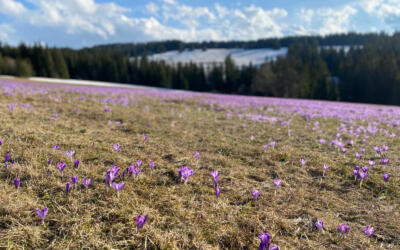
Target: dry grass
[[185, 216]]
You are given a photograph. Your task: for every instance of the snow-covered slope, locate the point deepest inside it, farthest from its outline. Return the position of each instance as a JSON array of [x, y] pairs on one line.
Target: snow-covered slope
[[211, 56], [240, 56]]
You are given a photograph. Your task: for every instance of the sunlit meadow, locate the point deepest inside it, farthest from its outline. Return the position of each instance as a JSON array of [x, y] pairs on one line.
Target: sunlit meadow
[[100, 167]]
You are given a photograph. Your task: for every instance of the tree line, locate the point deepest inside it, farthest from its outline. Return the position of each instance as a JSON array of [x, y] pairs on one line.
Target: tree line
[[369, 71]]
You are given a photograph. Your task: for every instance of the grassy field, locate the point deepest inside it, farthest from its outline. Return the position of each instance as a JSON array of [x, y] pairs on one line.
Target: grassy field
[[250, 141]]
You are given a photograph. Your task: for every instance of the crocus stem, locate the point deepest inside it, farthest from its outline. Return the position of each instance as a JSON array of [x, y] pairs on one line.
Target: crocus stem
[[361, 183]]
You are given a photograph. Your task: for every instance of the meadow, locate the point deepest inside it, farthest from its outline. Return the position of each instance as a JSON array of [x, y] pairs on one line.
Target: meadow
[[82, 166]]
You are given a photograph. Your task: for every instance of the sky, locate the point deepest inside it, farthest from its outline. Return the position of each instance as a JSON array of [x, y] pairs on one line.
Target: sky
[[83, 23]]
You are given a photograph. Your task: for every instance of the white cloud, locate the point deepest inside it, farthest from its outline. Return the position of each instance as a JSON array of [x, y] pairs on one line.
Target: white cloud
[[388, 11], [336, 21], [11, 7], [152, 8]]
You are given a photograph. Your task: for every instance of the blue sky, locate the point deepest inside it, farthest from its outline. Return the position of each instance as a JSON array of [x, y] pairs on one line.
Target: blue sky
[[79, 23]]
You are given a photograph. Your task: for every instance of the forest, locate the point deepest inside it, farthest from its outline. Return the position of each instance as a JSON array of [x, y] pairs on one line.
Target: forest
[[368, 72]]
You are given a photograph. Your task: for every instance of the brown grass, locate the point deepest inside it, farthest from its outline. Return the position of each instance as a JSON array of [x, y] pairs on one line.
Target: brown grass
[[97, 219]]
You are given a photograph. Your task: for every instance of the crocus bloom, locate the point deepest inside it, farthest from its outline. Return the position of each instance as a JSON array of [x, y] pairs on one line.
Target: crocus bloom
[[326, 167], [196, 155], [74, 179], [70, 153], [217, 192], [358, 155], [61, 166], [386, 177], [67, 187], [344, 150], [185, 173], [215, 176], [322, 141], [144, 138], [86, 182], [385, 148], [303, 162], [134, 170], [140, 221], [1, 142], [265, 239], [42, 213], [17, 183], [343, 229], [272, 144], [371, 163], [320, 225], [50, 161], [377, 149], [56, 147], [152, 165], [111, 174], [265, 146], [138, 163], [368, 230], [55, 115], [384, 161], [255, 193], [274, 247], [76, 163], [277, 182], [252, 137], [7, 157], [117, 147], [118, 186]]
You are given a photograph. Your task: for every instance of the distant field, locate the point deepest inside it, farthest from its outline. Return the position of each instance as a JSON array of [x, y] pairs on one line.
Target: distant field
[[252, 142]]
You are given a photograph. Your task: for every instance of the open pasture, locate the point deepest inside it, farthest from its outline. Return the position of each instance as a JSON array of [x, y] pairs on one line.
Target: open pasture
[[284, 165]]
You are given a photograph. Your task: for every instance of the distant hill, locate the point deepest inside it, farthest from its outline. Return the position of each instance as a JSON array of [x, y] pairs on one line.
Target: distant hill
[[137, 49]]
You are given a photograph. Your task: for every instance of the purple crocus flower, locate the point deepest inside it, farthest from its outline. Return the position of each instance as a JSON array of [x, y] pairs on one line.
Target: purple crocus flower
[[118, 187], [152, 165], [1, 142], [322, 141], [67, 187], [117, 147], [74, 179], [196, 155], [344, 150], [7, 157], [215, 176], [76, 163], [265, 146], [274, 247], [277, 182], [86, 182], [140, 221], [217, 192], [358, 155], [377, 149], [55, 115], [134, 170], [371, 162], [303, 162], [50, 161], [385, 148], [255, 193], [343, 229], [265, 239], [386, 177], [368, 230], [17, 183], [320, 225], [144, 138], [56, 147], [42, 213], [384, 161], [272, 144], [70, 153], [185, 173], [111, 174], [252, 137], [326, 167], [138, 163], [61, 166]]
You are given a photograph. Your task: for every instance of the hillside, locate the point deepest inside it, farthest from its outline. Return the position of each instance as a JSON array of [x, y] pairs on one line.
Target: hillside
[[132, 143]]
